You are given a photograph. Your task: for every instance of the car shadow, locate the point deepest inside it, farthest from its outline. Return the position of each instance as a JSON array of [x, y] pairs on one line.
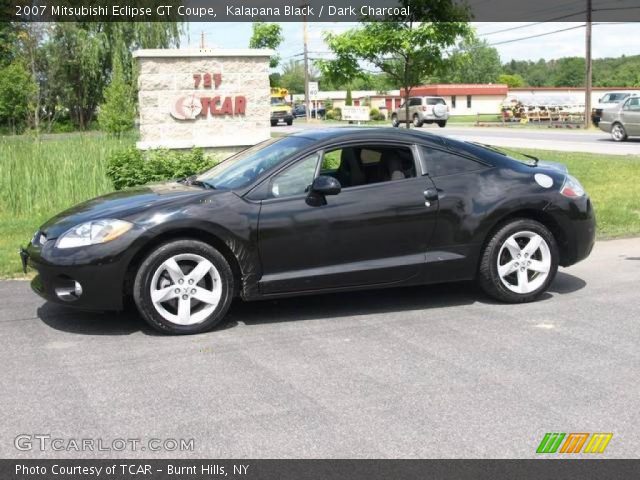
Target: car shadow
[[314, 307], [628, 140]]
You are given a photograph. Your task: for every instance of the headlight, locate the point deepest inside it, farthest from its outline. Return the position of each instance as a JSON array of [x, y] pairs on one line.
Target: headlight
[[90, 233]]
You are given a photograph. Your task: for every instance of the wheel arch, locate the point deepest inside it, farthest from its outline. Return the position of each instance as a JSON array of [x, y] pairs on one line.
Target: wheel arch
[[183, 234], [540, 216]]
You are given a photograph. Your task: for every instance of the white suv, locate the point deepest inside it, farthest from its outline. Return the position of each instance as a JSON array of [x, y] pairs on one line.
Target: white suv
[[422, 110]]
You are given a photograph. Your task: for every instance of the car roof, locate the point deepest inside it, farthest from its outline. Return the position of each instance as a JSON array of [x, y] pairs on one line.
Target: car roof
[[381, 133]]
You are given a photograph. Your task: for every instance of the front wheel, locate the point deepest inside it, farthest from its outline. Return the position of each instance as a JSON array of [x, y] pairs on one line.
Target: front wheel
[[183, 287], [290, 122], [519, 262], [618, 133]]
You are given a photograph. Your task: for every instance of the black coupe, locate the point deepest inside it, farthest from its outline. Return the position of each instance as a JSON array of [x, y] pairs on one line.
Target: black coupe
[[319, 211]]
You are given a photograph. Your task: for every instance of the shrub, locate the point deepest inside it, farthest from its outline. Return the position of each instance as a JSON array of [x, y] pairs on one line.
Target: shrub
[[373, 113], [116, 115], [334, 114], [131, 167]]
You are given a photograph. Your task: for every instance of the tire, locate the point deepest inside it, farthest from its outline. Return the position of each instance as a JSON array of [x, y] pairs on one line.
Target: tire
[[618, 133], [181, 310], [503, 275], [442, 123], [416, 121], [290, 122], [394, 121], [274, 123]]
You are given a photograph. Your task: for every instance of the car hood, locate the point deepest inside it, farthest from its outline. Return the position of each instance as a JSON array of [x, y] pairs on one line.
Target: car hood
[[120, 205]]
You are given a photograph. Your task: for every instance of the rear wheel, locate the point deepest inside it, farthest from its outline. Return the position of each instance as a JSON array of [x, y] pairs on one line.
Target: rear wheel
[[519, 262], [442, 123], [183, 287], [618, 133], [416, 121], [394, 121]]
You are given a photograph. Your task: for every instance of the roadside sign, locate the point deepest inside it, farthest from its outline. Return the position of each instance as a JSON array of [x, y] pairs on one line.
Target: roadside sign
[[313, 89], [357, 114]]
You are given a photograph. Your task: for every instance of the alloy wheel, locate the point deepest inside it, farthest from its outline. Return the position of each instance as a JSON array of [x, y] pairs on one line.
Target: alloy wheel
[[186, 289], [524, 262], [617, 132]]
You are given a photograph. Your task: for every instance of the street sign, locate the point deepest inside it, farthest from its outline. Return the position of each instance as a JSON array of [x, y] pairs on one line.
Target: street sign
[[356, 114], [313, 89]]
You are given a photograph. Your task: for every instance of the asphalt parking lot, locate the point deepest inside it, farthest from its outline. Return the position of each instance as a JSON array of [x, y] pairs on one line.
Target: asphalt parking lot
[[435, 371]]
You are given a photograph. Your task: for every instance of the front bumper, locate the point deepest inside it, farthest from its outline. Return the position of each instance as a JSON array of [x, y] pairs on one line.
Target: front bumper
[[577, 220], [96, 272], [286, 117]]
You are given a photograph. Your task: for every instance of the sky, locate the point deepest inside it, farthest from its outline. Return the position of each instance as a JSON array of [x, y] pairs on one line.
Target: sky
[[609, 40]]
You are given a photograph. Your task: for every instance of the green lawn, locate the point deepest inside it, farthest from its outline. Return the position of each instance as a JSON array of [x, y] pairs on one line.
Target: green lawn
[[39, 178]]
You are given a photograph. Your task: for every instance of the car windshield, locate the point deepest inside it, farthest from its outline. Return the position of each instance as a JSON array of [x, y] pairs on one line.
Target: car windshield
[[614, 97], [278, 101], [245, 167]]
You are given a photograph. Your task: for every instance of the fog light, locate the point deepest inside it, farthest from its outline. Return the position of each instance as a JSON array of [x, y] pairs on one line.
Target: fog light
[[71, 293]]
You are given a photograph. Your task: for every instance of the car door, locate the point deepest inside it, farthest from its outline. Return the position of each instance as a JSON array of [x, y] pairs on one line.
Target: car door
[[375, 231], [631, 116]]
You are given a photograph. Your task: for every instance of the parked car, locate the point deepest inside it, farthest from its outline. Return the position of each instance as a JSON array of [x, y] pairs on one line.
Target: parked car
[[609, 99], [315, 212], [301, 111], [622, 120], [422, 110]]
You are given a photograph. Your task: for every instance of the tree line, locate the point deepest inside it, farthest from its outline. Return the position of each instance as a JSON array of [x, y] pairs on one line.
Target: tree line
[[62, 73]]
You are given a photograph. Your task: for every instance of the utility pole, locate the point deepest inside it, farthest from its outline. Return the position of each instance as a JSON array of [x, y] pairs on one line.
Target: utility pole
[[306, 71], [588, 72]]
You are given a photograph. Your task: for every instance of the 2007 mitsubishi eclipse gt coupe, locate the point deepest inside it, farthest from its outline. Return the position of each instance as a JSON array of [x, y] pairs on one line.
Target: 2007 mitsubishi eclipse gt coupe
[[314, 212]]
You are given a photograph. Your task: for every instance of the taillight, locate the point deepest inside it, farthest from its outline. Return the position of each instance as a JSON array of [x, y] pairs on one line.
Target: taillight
[[571, 187], [424, 108]]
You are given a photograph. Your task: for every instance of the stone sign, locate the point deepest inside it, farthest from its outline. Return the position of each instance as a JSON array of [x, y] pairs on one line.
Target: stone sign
[[210, 98]]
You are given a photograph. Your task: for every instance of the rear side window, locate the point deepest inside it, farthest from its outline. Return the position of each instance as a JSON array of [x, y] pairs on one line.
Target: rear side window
[[414, 102], [441, 163], [435, 101]]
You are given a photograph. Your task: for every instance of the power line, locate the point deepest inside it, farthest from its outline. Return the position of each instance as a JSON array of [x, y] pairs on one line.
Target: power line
[[535, 36]]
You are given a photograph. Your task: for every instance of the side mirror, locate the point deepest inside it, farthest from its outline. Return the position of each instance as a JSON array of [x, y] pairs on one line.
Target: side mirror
[[325, 185]]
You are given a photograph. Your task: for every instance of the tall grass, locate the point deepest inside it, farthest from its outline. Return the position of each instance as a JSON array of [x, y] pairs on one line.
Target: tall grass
[[43, 176]]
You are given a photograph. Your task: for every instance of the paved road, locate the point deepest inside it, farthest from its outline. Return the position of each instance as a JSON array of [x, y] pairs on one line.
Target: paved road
[[435, 371], [543, 138]]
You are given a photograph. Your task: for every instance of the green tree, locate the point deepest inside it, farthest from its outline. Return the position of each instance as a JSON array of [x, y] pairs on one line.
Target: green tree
[[568, 72], [348, 101], [16, 91], [80, 57], [473, 61], [292, 77], [117, 113], [513, 81], [267, 35], [403, 47]]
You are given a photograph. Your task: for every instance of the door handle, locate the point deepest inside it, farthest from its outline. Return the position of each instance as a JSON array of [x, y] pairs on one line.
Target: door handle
[[430, 195]]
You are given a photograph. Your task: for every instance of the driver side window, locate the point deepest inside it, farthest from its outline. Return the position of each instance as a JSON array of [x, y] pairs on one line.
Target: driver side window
[[296, 179]]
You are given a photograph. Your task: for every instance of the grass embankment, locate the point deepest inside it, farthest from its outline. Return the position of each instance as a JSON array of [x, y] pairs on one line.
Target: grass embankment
[[39, 178]]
